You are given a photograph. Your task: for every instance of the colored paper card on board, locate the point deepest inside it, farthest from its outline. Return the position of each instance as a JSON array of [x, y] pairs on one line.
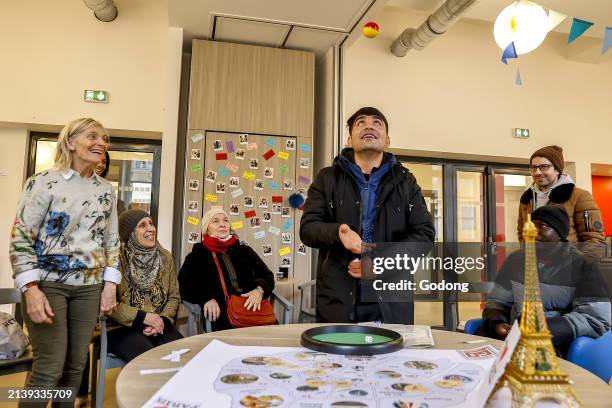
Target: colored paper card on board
[[248, 175], [283, 155], [277, 199], [211, 197], [284, 251], [304, 147], [193, 220], [233, 167], [223, 171], [252, 146], [283, 169], [196, 167], [304, 180], [274, 230], [216, 207], [221, 156], [287, 226], [230, 146], [197, 137], [237, 192], [270, 142], [273, 186], [259, 234], [267, 155], [237, 225], [250, 214]]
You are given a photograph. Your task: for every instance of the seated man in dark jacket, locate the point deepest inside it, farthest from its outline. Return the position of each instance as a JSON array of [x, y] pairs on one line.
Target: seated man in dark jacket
[[365, 197], [573, 292]]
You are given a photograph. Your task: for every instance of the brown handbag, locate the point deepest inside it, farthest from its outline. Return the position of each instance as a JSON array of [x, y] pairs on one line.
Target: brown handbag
[[238, 315]]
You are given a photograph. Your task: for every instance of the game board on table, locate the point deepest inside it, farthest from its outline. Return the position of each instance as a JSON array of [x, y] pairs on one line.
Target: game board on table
[[222, 375]]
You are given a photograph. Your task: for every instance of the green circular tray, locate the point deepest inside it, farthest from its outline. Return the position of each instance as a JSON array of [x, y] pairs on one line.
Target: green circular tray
[[352, 340]]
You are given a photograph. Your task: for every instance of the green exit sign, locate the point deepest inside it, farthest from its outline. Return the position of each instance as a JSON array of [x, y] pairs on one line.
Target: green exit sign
[[520, 133], [92, 95]]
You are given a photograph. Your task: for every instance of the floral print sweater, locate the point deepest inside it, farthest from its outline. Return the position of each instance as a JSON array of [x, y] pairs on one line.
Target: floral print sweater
[[65, 230]]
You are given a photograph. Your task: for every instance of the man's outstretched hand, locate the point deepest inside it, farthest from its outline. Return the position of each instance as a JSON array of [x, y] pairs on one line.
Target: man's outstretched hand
[[350, 239]]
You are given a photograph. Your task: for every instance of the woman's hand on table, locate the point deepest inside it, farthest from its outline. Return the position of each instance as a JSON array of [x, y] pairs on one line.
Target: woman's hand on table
[[211, 310], [254, 299]]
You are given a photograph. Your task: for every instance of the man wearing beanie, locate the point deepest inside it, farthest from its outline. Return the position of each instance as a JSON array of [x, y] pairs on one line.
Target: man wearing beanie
[[551, 186], [572, 289]]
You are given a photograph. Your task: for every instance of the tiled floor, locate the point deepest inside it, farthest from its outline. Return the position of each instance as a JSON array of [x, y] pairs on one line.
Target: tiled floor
[[426, 313]]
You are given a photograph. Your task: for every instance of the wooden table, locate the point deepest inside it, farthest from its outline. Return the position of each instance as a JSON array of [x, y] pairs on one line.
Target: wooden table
[[133, 389]]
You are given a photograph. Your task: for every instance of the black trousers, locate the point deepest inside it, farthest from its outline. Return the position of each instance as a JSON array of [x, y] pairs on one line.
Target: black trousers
[[128, 343]]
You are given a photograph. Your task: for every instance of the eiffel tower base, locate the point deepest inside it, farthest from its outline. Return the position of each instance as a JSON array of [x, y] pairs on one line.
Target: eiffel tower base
[[526, 395]]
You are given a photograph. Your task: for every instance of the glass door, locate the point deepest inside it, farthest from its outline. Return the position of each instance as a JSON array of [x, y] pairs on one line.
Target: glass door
[[133, 170]]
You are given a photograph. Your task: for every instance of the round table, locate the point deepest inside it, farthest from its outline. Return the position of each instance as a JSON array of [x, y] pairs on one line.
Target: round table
[[133, 389]]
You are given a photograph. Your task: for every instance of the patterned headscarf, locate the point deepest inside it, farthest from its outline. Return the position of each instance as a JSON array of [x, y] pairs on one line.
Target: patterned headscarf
[[141, 267]]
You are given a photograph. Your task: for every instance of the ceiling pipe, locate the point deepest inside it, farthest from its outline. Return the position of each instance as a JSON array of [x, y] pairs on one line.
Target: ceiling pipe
[[436, 24], [104, 10]]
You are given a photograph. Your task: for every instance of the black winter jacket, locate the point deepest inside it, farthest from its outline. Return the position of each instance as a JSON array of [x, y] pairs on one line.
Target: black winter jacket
[[333, 199], [199, 279]]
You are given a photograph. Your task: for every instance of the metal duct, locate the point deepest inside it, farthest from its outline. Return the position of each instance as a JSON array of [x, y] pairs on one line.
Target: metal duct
[[104, 10], [435, 25]]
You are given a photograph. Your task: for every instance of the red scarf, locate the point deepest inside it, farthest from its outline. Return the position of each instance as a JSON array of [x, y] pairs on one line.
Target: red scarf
[[214, 244]]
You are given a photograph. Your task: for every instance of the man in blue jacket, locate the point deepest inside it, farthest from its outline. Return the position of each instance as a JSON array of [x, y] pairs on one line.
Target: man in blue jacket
[[366, 196]]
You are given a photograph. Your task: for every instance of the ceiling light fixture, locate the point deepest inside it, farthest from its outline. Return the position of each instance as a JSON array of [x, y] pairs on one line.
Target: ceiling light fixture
[[523, 22]]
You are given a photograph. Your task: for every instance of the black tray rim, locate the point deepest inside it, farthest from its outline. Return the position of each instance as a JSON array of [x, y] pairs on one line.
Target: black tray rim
[[396, 343]]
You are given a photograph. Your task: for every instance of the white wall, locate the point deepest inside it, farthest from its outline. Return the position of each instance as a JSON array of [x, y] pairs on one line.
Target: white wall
[[12, 155], [456, 95], [52, 51], [174, 55]]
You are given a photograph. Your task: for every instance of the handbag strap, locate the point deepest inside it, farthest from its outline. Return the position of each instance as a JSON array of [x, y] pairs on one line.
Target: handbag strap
[[220, 275]]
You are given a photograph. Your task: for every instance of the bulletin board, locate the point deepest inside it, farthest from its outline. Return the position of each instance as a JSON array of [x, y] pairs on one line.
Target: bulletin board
[[250, 137], [252, 176]]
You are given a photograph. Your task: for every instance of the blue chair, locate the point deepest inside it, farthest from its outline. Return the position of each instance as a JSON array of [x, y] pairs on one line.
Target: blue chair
[[593, 355], [472, 326]]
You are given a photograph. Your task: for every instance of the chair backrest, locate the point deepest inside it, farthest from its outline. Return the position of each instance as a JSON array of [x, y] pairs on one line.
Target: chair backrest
[[472, 326], [593, 355], [12, 296]]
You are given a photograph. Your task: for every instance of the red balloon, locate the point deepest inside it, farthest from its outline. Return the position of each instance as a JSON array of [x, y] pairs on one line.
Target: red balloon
[[372, 25]]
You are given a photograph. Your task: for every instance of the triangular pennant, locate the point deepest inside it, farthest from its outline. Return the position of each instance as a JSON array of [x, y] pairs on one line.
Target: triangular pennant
[[607, 40], [555, 18], [517, 80], [578, 28], [509, 52]]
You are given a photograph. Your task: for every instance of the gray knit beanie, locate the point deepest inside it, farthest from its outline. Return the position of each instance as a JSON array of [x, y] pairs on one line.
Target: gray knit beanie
[[128, 221]]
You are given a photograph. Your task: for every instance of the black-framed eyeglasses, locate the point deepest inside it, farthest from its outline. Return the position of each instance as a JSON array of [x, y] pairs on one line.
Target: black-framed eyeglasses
[[541, 167]]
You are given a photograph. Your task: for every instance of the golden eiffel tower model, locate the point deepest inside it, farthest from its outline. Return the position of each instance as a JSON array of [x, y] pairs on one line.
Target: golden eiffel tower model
[[533, 372]]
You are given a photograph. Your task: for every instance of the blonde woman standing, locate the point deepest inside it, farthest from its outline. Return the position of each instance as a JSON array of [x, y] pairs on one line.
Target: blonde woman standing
[[64, 252]]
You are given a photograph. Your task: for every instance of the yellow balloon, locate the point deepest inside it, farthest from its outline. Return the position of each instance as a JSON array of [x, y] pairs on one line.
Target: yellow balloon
[[370, 32]]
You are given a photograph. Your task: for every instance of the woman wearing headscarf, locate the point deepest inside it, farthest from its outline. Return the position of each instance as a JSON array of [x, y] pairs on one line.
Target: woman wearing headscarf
[[64, 252], [244, 272], [148, 294]]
